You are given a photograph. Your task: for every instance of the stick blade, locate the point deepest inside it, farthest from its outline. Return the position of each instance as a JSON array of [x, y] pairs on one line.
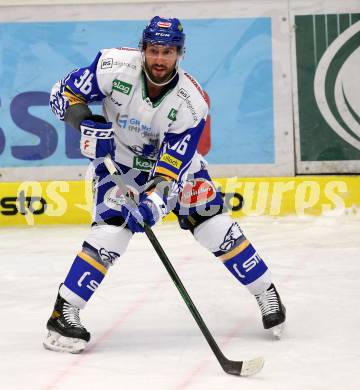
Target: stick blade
[[251, 367], [242, 368]]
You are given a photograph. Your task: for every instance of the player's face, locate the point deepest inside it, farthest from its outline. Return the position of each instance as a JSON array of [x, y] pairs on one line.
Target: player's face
[[160, 61]]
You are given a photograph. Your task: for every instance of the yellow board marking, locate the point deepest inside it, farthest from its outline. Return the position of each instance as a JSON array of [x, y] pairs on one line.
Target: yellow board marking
[[71, 202]]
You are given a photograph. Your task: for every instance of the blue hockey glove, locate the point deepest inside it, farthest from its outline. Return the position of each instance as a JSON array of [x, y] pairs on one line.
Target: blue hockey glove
[[150, 210], [97, 138]]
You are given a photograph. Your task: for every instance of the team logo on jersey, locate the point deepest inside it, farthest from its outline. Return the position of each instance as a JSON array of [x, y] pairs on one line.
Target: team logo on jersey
[[122, 86], [197, 192], [174, 162], [172, 114], [107, 63], [183, 94]]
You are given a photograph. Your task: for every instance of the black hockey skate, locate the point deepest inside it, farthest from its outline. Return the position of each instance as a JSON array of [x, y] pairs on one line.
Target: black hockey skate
[[272, 310], [66, 333]]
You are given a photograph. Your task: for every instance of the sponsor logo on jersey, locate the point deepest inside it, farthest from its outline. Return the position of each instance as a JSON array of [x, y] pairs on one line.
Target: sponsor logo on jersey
[[164, 24], [136, 126], [143, 164], [122, 86], [107, 63], [183, 94], [127, 64], [127, 48], [172, 114], [174, 162], [197, 192], [192, 110], [115, 102]]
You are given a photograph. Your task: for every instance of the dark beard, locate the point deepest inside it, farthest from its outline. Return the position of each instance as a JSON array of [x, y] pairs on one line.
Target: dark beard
[[159, 80]]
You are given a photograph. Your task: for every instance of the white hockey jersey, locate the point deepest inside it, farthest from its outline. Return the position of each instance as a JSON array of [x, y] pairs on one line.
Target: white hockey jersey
[[160, 137]]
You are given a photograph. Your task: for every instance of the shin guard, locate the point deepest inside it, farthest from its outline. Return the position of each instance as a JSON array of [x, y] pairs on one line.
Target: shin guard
[[224, 238], [84, 277], [103, 245]]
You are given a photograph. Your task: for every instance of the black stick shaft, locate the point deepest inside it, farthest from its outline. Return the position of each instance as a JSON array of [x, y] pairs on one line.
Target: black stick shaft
[[185, 295], [230, 366]]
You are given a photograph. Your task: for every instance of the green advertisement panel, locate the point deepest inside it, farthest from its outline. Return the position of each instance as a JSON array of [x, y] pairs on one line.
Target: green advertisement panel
[[328, 83]]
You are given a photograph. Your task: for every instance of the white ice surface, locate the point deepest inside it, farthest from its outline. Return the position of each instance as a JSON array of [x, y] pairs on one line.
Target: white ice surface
[[143, 336]]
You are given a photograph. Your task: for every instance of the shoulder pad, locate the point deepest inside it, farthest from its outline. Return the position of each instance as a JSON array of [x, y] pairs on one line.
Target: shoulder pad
[[190, 91], [190, 80]]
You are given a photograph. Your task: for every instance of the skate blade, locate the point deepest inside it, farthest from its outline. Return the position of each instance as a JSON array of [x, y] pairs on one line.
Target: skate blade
[[278, 330], [58, 343]]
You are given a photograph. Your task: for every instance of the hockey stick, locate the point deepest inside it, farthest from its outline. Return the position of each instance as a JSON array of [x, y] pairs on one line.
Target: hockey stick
[[240, 368]]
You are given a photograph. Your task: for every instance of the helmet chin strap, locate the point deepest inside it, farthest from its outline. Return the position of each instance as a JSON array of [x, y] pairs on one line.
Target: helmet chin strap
[[154, 82]]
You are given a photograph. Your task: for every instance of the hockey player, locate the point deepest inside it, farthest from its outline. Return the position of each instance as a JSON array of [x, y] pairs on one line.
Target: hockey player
[[153, 116]]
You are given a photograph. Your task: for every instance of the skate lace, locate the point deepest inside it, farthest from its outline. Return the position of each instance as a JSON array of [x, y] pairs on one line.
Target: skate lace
[[268, 302], [71, 315]]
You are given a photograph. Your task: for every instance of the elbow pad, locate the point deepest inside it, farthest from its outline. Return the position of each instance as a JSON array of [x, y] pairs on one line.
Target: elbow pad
[[76, 113]]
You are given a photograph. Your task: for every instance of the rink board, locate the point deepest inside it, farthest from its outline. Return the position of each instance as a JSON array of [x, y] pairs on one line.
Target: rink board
[[70, 202], [252, 107]]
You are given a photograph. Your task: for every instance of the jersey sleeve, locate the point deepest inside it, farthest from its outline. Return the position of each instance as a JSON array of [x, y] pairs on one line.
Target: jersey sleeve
[[79, 86], [180, 143]]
